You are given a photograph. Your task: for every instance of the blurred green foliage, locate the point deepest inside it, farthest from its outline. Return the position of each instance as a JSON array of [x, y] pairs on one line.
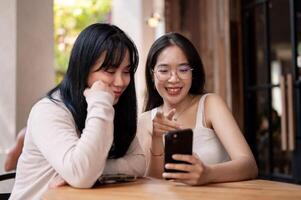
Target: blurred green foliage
[[71, 17]]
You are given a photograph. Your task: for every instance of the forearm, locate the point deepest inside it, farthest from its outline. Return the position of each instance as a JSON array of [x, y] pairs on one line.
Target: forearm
[[157, 146], [79, 161], [234, 170], [134, 165], [134, 162], [156, 157], [87, 159]]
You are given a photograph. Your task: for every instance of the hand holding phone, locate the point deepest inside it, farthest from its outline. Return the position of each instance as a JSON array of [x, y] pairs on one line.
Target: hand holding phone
[[177, 142], [180, 142]]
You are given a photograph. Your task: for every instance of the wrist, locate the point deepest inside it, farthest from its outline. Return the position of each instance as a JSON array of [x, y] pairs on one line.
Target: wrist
[[99, 96], [209, 173], [157, 147], [156, 153]]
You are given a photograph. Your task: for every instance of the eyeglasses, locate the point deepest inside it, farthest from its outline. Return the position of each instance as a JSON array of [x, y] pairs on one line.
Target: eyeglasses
[[163, 73]]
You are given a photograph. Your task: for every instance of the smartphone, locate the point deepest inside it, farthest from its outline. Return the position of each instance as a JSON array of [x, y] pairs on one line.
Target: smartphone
[[177, 142], [116, 178]]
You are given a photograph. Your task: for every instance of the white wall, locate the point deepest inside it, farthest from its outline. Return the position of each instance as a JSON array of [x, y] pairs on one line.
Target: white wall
[[26, 56], [7, 69], [35, 54], [130, 16]]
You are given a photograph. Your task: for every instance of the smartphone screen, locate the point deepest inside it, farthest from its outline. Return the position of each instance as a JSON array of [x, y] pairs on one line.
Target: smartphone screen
[[177, 142]]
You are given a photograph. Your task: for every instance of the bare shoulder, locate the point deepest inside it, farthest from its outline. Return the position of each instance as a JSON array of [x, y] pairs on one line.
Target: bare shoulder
[[214, 107], [213, 100]]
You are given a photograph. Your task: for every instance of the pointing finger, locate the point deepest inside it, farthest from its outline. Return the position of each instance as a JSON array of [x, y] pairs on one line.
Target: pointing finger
[[171, 113]]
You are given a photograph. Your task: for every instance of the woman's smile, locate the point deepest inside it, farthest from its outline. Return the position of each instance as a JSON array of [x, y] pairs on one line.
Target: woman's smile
[[117, 93], [173, 91]]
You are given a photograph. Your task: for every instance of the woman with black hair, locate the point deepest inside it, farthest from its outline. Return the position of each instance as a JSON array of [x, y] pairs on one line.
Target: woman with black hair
[[175, 100], [86, 126]]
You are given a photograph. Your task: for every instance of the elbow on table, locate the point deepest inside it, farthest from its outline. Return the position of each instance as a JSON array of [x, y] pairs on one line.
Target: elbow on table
[[249, 169], [253, 169], [137, 168], [83, 182], [141, 170], [83, 178], [254, 173]]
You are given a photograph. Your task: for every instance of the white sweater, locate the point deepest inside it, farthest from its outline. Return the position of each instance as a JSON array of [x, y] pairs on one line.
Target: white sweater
[[53, 148]]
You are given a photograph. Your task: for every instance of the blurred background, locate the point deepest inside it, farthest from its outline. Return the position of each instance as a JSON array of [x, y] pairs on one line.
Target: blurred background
[[251, 50]]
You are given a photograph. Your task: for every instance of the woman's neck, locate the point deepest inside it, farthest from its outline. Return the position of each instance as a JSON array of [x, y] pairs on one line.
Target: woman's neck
[[180, 107]]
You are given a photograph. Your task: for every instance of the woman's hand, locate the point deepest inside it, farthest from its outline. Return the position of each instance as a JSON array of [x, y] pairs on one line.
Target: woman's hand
[[195, 173], [99, 86], [164, 123]]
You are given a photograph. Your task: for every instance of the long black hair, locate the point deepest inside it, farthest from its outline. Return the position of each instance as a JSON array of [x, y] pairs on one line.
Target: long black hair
[[153, 99], [91, 43]]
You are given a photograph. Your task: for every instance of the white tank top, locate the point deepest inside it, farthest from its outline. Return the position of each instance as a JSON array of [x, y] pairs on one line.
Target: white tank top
[[206, 144]]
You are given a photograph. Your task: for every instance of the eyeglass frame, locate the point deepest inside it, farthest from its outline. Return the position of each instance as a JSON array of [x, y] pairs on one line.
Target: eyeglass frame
[[170, 75]]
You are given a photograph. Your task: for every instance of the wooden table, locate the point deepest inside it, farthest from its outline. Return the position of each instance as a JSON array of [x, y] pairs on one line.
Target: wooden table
[[147, 188]]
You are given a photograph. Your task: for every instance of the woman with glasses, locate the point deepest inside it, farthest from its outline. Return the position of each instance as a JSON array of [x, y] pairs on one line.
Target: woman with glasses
[[176, 100]]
